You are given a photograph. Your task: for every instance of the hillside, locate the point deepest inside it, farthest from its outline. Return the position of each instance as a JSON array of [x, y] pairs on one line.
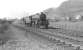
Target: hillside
[[68, 8]]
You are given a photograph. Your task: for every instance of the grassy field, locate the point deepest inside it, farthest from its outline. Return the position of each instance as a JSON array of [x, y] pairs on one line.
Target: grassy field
[[71, 28], [78, 26]]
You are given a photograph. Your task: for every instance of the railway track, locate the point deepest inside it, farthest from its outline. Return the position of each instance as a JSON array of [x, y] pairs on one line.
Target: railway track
[[57, 38], [68, 33], [75, 41]]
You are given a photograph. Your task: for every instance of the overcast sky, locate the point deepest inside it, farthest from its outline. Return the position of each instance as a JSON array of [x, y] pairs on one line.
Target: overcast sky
[[20, 8]]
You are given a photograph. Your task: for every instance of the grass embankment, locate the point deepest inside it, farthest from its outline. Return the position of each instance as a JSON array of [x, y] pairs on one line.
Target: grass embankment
[[73, 27], [4, 35]]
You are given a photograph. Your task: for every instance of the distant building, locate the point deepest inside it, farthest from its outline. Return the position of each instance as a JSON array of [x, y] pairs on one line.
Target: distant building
[[75, 18]]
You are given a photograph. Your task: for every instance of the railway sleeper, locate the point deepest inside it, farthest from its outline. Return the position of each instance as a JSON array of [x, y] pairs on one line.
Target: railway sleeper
[[62, 34], [71, 40], [60, 43], [63, 44]]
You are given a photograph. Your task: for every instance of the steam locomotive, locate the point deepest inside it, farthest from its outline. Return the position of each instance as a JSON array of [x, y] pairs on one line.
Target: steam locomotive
[[38, 21]]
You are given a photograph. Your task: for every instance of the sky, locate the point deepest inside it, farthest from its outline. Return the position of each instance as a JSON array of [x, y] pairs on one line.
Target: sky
[[20, 8]]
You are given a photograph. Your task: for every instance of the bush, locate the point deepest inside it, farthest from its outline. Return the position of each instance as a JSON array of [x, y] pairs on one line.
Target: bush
[[4, 26]]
